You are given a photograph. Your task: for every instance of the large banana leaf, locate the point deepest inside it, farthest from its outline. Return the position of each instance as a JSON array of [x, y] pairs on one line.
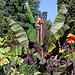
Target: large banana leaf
[[29, 13], [19, 31], [54, 38], [17, 50], [60, 19], [32, 34], [58, 28]]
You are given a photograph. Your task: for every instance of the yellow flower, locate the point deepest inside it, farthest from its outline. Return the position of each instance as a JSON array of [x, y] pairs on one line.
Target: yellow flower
[[21, 74], [63, 66], [61, 51]]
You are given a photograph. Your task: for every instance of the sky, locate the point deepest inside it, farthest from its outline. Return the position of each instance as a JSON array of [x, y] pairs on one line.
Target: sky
[[49, 6]]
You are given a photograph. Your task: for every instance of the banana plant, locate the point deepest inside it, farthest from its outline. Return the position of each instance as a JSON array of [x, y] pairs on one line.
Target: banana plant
[[57, 30]]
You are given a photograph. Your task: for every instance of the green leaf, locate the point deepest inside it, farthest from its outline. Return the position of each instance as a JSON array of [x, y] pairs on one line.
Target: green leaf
[[58, 28], [60, 19], [17, 50], [1, 55], [29, 13], [37, 55], [54, 38], [4, 50], [32, 34], [36, 73], [19, 31], [5, 61], [19, 60], [27, 49], [70, 56]]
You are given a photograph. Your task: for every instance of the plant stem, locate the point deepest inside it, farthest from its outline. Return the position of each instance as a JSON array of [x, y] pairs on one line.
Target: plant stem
[[73, 58], [41, 34], [38, 35]]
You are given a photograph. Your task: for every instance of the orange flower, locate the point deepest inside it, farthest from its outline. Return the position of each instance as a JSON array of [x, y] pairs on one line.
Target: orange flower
[[39, 21], [1, 59], [71, 36], [43, 54], [61, 51], [69, 40]]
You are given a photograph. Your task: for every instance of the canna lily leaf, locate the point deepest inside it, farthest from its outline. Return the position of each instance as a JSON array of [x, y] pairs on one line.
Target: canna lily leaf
[[19, 31], [29, 13]]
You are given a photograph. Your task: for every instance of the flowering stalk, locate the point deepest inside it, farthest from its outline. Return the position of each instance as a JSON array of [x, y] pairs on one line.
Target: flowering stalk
[[70, 40], [41, 34], [68, 59], [72, 57], [38, 35], [39, 22]]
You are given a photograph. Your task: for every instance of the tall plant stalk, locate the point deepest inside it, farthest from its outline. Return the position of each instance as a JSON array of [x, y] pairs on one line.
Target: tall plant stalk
[[41, 34], [38, 38], [73, 58]]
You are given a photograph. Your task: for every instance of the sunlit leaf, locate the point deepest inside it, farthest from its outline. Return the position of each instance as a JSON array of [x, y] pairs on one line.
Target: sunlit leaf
[[58, 28], [60, 19], [29, 13], [17, 50], [37, 73], [4, 50]]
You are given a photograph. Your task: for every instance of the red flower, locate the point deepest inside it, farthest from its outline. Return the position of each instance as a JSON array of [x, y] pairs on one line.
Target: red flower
[[43, 54], [71, 38], [1, 60], [39, 21]]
